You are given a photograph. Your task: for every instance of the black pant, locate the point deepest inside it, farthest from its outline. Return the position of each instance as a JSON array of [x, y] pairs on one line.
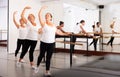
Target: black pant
[[72, 39], [20, 43], [28, 44], [95, 43], [111, 41], [49, 48], [92, 42], [95, 40]]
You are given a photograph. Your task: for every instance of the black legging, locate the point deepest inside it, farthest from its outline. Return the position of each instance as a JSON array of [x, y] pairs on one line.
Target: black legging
[[95, 43], [49, 48], [20, 43], [111, 41], [27, 44], [95, 40], [73, 39]]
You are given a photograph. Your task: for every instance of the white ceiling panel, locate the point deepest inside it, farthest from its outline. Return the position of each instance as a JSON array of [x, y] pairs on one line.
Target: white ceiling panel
[[102, 2]]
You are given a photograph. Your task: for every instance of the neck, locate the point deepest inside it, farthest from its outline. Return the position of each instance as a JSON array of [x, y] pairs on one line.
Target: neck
[[33, 23], [48, 22], [23, 26]]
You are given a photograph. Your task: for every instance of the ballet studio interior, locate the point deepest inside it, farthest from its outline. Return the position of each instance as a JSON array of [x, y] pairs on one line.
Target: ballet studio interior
[[59, 38]]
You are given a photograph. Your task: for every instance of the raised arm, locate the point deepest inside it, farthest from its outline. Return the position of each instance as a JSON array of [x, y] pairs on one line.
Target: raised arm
[[23, 13], [16, 24], [42, 22]]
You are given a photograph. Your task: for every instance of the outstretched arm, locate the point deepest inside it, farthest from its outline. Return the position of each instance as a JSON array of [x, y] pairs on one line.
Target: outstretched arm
[[59, 32], [23, 13], [16, 24], [42, 22]]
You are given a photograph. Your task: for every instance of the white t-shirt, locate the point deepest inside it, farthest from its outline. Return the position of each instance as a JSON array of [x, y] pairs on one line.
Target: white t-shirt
[[48, 34], [22, 33], [111, 29], [32, 32], [77, 29], [98, 29]]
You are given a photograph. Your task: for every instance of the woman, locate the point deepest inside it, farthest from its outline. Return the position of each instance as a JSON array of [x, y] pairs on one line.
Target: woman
[[98, 32], [47, 44], [22, 31], [82, 30], [31, 39], [112, 36]]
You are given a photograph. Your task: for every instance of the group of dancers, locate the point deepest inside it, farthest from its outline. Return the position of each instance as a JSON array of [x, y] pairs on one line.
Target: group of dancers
[[28, 36]]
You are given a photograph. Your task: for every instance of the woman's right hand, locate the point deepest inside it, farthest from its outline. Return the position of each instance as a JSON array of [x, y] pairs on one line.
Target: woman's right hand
[[44, 7], [27, 7]]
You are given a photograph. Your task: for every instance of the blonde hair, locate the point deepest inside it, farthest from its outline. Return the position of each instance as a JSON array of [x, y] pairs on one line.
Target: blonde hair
[[112, 25], [30, 16]]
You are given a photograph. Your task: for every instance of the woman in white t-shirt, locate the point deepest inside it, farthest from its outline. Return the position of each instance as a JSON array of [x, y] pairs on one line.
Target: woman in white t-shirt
[[79, 29], [112, 36], [47, 44], [31, 39], [22, 31]]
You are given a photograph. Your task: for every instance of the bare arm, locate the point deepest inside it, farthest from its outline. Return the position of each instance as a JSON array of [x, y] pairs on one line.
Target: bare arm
[[101, 32], [16, 24], [62, 30], [23, 13], [42, 22], [59, 32], [83, 31]]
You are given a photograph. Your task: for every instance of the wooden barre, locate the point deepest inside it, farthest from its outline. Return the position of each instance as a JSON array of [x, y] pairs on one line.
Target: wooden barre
[[69, 43], [110, 36], [102, 33]]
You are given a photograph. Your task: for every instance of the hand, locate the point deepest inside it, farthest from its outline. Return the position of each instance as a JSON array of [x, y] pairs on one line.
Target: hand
[[15, 13], [44, 7], [27, 7], [40, 30]]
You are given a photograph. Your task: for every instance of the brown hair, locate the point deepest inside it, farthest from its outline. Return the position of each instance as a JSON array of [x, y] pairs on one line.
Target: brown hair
[[31, 15], [82, 21]]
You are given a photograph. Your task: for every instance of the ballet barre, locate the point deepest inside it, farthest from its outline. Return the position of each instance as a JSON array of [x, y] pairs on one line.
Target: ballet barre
[[68, 42], [102, 33], [71, 43], [110, 36]]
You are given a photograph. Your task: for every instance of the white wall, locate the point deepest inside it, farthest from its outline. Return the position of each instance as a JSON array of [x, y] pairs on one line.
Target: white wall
[[3, 23], [18, 5], [108, 13], [75, 14], [56, 9], [3, 18]]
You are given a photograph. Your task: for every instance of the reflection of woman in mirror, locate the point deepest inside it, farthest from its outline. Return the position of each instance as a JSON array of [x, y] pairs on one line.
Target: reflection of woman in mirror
[[31, 38], [47, 40], [22, 32], [112, 35]]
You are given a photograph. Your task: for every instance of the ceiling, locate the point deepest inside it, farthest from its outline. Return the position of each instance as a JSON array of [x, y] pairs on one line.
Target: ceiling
[[102, 2], [42, 1], [4, 3]]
